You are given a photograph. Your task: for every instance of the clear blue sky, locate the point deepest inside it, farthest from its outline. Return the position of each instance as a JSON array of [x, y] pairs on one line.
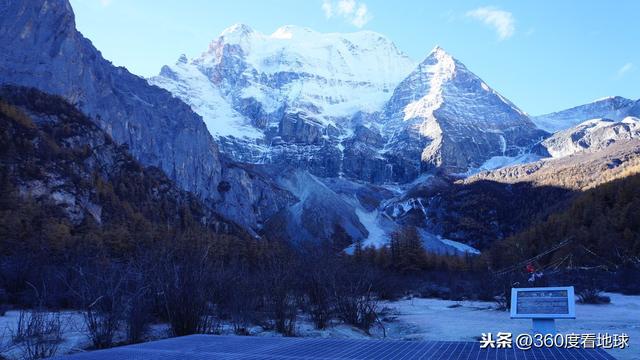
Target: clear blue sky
[[543, 55]]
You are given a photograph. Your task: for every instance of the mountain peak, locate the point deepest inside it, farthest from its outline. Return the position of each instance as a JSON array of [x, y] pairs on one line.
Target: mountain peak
[[291, 31], [437, 49], [439, 53], [366, 55], [236, 31], [52, 17], [440, 64], [446, 104], [615, 98]]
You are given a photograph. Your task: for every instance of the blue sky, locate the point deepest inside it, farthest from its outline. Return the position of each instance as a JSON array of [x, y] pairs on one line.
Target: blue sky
[[542, 55]]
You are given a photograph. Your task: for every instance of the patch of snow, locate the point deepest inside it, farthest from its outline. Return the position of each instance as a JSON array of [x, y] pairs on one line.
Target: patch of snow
[[603, 99], [447, 320], [461, 247], [435, 244], [498, 162], [194, 88], [437, 74], [74, 334], [378, 237]]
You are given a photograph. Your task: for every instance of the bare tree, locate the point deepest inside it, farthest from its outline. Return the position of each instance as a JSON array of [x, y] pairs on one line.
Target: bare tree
[[100, 290], [138, 305], [237, 297], [280, 288], [355, 301], [318, 285], [38, 333], [184, 283]]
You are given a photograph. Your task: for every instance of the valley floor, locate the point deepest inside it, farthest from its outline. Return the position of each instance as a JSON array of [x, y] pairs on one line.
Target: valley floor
[[434, 319], [421, 319]]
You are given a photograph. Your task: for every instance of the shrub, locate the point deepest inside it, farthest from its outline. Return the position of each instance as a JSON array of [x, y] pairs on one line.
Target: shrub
[[592, 296], [355, 302], [37, 334]]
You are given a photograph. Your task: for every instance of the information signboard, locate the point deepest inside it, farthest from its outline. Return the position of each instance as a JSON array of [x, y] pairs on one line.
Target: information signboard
[[543, 303]]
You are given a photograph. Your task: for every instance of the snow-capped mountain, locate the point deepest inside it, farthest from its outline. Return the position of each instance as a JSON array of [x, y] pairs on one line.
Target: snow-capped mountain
[[294, 97], [442, 115], [345, 104], [343, 134], [614, 107], [325, 77], [591, 136]]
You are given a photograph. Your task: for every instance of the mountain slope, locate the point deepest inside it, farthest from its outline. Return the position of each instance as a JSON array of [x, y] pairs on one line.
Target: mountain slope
[[580, 171], [591, 136], [40, 47], [601, 224], [65, 177], [329, 77], [288, 97], [319, 215], [185, 81], [614, 108], [444, 116]]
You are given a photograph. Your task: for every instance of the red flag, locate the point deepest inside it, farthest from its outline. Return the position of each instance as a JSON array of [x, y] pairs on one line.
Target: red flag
[[530, 268]]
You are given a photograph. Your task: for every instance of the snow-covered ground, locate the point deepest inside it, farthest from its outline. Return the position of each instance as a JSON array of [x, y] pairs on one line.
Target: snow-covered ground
[[418, 319], [447, 320], [74, 334], [434, 319]]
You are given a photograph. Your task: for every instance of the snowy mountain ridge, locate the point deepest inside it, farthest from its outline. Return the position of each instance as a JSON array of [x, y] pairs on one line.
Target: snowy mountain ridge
[[304, 97], [592, 136], [345, 56], [186, 82], [612, 107], [328, 76]]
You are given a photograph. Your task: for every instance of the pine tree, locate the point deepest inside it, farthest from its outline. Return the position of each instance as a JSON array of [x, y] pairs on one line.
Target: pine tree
[[407, 252]]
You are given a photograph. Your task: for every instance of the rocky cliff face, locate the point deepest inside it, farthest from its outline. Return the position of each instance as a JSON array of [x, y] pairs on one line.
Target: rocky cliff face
[[40, 47], [52, 154]]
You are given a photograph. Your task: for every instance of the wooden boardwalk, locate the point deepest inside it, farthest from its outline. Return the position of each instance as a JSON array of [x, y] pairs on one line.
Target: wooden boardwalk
[[202, 347]]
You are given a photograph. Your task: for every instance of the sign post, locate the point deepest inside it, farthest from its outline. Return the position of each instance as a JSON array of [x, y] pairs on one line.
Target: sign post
[[543, 305]]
